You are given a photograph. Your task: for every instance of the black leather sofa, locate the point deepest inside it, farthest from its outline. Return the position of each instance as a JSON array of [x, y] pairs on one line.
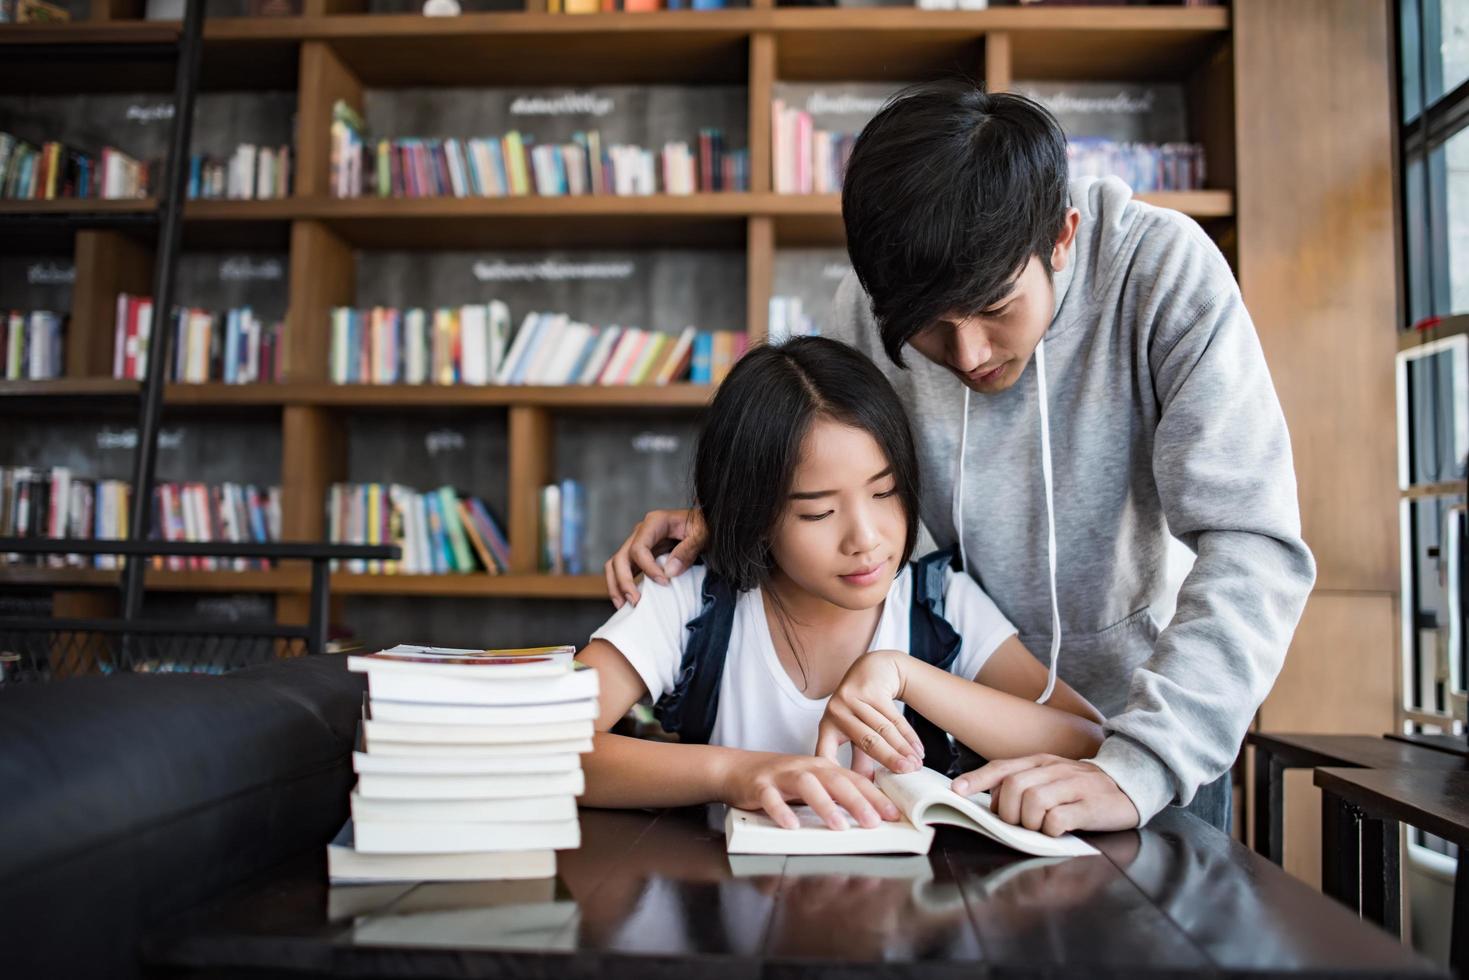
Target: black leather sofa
[[126, 800]]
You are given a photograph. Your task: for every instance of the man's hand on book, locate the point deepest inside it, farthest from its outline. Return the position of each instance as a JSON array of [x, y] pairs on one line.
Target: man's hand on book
[[767, 780], [1051, 794], [862, 711], [639, 553]]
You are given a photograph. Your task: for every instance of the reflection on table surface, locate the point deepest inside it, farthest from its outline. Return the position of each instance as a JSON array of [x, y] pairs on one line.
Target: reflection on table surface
[[1177, 896]]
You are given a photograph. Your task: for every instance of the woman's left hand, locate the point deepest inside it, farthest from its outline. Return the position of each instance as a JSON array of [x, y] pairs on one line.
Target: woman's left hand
[[862, 711]]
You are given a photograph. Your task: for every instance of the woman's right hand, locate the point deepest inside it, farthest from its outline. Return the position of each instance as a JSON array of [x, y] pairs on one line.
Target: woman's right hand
[[767, 780], [637, 553]]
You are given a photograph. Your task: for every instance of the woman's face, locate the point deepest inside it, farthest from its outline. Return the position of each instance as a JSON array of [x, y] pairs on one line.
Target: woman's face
[[843, 530]]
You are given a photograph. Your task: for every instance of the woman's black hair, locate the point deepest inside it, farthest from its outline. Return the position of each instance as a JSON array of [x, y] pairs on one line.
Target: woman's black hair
[[752, 438], [949, 192]]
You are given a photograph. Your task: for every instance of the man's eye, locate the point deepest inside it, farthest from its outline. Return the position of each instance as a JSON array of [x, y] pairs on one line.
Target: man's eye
[[816, 517]]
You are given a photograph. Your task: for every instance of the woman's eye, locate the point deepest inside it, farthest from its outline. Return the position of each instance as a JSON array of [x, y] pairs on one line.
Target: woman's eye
[[815, 517], [886, 494]]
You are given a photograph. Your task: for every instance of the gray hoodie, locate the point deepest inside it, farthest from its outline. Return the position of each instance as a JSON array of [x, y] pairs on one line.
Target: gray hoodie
[[1162, 418]]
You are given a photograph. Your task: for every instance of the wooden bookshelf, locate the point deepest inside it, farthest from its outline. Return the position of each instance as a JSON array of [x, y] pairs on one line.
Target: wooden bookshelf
[[298, 582], [337, 51]]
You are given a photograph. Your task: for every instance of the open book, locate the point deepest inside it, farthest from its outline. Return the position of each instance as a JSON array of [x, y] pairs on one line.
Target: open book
[[924, 799]]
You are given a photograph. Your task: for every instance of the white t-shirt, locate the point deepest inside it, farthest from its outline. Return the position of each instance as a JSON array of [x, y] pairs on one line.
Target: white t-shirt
[[760, 706]]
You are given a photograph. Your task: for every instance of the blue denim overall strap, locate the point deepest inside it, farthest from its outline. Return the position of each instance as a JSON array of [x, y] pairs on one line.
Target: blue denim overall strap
[[688, 709], [934, 641]]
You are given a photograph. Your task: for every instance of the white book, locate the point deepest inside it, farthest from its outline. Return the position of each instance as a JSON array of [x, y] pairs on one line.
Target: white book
[[474, 343], [538, 371], [345, 863], [517, 347], [473, 787], [498, 319], [415, 343], [480, 714], [482, 665], [340, 316], [573, 342], [671, 364], [524, 808], [405, 686], [390, 731], [627, 348], [458, 837], [398, 765], [593, 368], [452, 750], [924, 799]]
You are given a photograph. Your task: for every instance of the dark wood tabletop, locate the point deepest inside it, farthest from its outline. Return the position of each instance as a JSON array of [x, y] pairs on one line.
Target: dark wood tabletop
[[1433, 800], [1311, 750], [653, 894]]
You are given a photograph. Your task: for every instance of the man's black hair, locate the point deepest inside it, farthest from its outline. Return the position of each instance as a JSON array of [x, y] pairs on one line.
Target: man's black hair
[[751, 443], [949, 192]]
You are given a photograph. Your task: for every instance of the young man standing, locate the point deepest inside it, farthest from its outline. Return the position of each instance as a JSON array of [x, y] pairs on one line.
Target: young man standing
[[1089, 385]]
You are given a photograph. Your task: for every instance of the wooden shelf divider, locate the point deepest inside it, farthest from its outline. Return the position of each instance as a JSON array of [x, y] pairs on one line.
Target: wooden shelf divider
[[531, 454]]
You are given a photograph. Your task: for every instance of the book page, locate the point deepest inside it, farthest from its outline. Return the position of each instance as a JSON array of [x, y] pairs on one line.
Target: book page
[[926, 799]]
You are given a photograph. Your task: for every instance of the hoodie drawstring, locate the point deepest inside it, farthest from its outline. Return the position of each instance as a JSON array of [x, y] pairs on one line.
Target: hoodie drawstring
[[1040, 374], [957, 509]]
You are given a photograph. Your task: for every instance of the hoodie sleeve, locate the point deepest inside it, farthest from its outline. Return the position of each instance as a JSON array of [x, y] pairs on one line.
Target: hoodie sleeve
[[1222, 463]]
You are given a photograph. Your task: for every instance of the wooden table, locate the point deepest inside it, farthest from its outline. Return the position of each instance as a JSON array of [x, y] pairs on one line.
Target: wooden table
[[1275, 753], [1360, 814], [653, 894]]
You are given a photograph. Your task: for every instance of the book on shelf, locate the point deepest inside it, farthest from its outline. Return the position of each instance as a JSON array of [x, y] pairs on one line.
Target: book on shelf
[[32, 12], [923, 798], [53, 171], [31, 345], [806, 159], [630, 6], [788, 319], [562, 527], [474, 345], [1135, 131], [439, 531], [55, 503], [515, 796], [1145, 167], [234, 346], [516, 165], [250, 173]]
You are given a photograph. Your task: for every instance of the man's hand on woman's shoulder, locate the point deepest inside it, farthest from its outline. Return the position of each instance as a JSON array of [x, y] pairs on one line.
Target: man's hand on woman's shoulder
[[655, 533]]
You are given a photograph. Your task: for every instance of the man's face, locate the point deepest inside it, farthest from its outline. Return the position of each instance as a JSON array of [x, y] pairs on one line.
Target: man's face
[[989, 351]]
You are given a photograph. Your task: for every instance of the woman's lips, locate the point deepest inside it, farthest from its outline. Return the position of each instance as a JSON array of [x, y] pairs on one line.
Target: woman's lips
[[864, 576]]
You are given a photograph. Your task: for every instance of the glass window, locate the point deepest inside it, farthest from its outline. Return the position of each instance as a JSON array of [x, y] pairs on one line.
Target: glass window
[[1456, 177], [1453, 46]]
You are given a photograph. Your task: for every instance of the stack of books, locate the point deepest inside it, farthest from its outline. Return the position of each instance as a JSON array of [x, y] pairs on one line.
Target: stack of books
[[806, 160], [468, 765], [251, 173], [1145, 167], [562, 527], [788, 319], [30, 345], [53, 171], [440, 532], [515, 165], [53, 502], [473, 345], [234, 346]]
